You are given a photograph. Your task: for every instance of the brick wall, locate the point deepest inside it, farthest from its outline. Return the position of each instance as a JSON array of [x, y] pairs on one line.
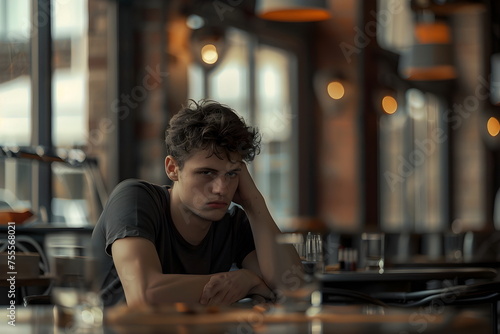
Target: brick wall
[[339, 184]]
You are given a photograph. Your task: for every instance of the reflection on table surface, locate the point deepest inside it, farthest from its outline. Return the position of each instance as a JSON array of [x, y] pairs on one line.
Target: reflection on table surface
[[425, 262], [408, 274], [265, 319]]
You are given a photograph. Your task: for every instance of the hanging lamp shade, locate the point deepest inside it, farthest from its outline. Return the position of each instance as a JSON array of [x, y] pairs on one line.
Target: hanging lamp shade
[[495, 79], [292, 10], [430, 58]]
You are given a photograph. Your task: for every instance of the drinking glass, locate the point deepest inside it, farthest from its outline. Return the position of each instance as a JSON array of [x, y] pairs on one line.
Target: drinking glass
[[453, 247], [314, 252], [299, 289], [372, 251], [72, 266]]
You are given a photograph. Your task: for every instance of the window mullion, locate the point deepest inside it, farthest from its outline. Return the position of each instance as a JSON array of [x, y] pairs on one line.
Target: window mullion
[[41, 107]]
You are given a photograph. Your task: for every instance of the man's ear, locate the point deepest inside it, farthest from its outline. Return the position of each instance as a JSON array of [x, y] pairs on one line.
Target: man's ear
[[171, 168]]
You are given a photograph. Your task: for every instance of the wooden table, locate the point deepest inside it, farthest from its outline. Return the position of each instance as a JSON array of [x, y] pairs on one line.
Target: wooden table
[[331, 319]]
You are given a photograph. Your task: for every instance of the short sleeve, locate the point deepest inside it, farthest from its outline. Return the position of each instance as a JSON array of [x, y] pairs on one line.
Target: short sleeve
[[133, 210]]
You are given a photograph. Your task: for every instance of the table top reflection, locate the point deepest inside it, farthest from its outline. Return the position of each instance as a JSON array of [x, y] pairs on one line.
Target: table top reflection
[[410, 274], [264, 319]]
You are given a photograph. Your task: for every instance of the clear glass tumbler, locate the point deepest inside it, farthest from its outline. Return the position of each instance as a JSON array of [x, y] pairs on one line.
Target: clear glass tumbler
[[72, 267]]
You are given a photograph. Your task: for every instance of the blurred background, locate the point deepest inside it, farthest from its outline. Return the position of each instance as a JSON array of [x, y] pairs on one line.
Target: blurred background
[[375, 115]]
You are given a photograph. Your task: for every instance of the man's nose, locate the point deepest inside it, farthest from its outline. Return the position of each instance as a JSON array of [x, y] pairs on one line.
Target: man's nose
[[220, 184]]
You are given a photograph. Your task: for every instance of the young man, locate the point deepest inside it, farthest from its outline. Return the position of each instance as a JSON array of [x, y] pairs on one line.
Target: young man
[[160, 244]]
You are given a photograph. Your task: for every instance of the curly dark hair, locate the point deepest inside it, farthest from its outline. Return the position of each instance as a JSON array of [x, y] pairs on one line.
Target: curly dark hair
[[210, 125]]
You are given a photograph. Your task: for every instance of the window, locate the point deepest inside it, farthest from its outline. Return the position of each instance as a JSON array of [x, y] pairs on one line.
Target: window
[[15, 101], [69, 84], [70, 200], [413, 148], [229, 82], [15, 89], [274, 117], [254, 80]]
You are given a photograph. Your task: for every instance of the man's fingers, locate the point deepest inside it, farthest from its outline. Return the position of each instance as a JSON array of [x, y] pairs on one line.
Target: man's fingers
[[211, 289], [208, 292], [219, 298], [219, 290]]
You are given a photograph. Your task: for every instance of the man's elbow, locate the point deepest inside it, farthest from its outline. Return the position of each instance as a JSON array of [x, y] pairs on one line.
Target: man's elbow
[[144, 298], [140, 294], [138, 298]]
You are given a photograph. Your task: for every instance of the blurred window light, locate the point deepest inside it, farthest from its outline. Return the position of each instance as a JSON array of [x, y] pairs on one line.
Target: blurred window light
[[274, 118], [69, 80], [228, 82], [417, 104], [195, 21], [15, 20], [413, 152], [70, 75], [394, 24], [15, 86]]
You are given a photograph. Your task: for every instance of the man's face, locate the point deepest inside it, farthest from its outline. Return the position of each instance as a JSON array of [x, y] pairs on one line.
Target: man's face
[[206, 185]]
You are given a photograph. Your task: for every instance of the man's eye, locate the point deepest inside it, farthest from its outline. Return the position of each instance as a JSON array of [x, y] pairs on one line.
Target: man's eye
[[232, 174]]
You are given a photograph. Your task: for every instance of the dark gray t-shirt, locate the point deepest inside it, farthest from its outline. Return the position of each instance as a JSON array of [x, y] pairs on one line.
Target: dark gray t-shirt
[[141, 209]]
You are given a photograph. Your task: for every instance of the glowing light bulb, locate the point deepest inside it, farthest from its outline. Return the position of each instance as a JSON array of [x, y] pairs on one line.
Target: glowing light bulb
[[335, 90], [389, 105], [209, 54], [493, 126]]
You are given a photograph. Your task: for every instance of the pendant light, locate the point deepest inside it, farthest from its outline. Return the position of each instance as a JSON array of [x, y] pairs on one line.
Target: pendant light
[[495, 79], [292, 10], [430, 58]]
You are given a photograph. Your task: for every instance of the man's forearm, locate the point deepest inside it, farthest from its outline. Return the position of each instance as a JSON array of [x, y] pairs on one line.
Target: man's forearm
[[275, 260], [170, 288], [220, 288]]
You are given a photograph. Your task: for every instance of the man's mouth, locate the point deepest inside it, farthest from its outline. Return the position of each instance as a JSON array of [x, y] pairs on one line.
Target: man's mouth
[[217, 204]]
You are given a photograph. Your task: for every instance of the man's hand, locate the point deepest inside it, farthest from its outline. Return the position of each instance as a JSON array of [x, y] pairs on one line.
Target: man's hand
[[229, 287], [247, 191]]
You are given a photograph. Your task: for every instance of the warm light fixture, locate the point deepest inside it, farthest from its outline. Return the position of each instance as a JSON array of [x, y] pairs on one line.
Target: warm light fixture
[[332, 89], [493, 126], [389, 104], [385, 99], [335, 90], [430, 58], [489, 118], [209, 54], [292, 10], [208, 45]]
